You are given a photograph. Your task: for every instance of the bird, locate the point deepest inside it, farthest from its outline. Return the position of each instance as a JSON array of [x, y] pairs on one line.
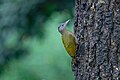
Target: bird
[[68, 38]]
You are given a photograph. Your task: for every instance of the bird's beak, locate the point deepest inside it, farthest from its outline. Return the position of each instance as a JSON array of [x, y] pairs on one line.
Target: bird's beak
[[66, 22]]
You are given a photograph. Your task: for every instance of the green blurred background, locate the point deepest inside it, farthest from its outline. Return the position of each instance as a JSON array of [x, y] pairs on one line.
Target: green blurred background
[[30, 44]]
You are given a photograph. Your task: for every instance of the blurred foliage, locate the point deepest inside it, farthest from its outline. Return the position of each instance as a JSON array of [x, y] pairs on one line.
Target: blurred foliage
[[30, 45]]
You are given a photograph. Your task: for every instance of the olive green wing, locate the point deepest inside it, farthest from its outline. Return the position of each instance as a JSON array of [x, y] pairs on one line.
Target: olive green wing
[[69, 44]]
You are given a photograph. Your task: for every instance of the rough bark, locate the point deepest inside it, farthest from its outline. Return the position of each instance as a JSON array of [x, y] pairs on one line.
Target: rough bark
[[97, 27]]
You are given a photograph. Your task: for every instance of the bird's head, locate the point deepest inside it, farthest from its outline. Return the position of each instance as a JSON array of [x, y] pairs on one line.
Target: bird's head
[[62, 26]]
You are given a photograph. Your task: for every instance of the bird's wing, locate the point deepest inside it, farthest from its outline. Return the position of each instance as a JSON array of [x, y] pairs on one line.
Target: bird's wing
[[69, 44]]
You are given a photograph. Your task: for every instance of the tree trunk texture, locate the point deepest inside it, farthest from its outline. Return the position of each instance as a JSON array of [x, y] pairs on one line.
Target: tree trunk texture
[[97, 27]]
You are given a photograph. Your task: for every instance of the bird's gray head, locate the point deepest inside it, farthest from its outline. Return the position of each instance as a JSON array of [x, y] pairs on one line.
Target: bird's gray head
[[62, 26]]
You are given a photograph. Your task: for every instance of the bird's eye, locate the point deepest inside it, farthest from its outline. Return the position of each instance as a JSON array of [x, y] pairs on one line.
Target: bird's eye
[[62, 24]]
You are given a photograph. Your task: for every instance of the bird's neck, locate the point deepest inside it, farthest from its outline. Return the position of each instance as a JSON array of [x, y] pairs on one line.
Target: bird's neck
[[64, 31]]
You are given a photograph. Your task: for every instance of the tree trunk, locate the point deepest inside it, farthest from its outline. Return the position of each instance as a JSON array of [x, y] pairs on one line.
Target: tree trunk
[[97, 27]]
